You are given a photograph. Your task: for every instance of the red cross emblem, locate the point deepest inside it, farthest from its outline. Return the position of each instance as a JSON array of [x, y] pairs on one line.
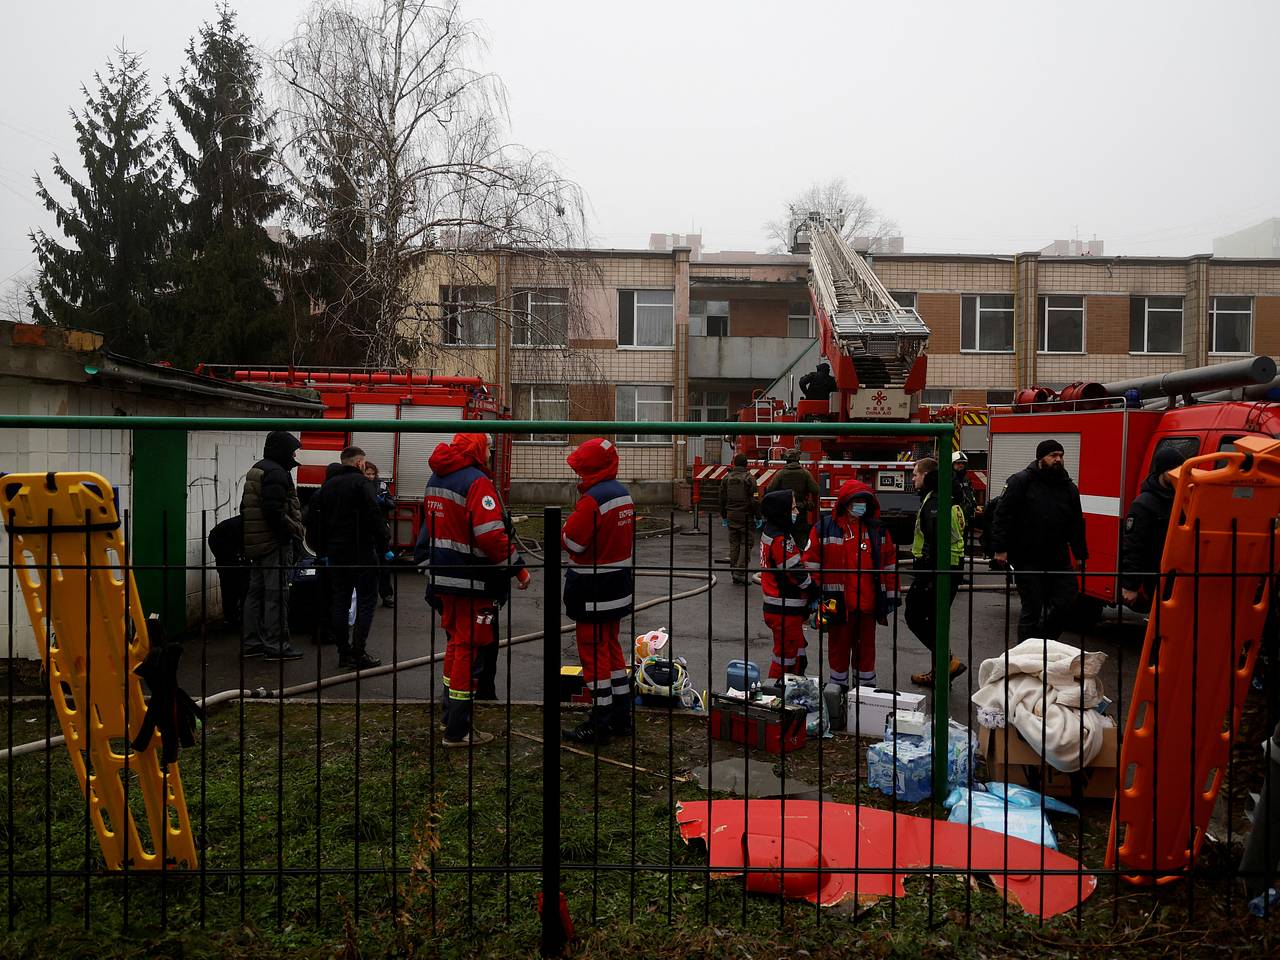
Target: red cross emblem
[[880, 397]]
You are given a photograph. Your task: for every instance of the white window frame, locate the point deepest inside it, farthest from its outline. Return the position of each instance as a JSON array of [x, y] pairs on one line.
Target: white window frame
[[528, 390], [1146, 325], [1042, 327], [523, 322], [807, 317], [1214, 311], [638, 439], [452, 331], [698, 406], [700, 313], [635, 302], [978, 311]]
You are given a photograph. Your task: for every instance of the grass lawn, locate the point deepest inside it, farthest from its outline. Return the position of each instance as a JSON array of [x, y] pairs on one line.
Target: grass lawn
[[392, 821]]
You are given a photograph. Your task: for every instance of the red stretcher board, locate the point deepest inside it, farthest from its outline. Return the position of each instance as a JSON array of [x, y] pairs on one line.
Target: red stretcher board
[[849, 841], [1201, 646]]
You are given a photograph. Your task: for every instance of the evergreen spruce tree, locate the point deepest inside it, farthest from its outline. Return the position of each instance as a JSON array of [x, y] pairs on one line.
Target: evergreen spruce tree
[[227, 266], [112, 276]]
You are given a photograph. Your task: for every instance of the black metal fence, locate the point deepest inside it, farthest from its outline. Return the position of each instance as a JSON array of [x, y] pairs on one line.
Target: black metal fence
[[321, 802]]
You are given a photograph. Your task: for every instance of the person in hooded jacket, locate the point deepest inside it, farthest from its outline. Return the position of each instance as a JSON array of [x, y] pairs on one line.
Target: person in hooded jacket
[[1038, 529], [272, 527], [820, 384], [599, 538], [787, 587], [853, 558], [1145, 529], [347, 528], [467, 545]]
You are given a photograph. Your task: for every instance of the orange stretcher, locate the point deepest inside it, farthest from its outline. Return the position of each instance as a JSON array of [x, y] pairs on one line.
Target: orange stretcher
[[1202, 642], [68, 554]]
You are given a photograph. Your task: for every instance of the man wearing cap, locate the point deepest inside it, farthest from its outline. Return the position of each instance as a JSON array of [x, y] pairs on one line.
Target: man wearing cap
[[466, 546], [599, 537], [1145, 529], [1038, 530], [797, 478]]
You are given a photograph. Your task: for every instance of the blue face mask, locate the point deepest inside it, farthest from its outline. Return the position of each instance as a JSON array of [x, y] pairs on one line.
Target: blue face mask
[[858, 508], [795, 515]]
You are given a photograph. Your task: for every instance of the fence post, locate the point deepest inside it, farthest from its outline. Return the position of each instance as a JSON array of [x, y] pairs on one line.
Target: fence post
[[942, 624], [553, 936]]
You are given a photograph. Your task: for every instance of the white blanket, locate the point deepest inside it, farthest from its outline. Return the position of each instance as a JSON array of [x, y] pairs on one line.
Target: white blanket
[[1046, 699]]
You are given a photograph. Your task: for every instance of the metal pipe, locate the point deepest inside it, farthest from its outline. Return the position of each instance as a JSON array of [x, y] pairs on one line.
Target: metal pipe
[[110, 370], [1238, 373]]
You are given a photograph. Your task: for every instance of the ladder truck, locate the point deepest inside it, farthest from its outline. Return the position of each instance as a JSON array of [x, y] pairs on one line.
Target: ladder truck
[[876, 350]]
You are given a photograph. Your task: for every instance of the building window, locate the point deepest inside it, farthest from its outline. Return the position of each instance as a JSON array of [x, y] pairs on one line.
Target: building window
[[542, 401], [934, 396], [905, 298], [1231, 324], [999, 398], [637, 403], [469, 317], [1061, 325], [986, 323], [799, 320], [540, 318], [1155, 324], [646, 318], [708, 406], [708, 318]]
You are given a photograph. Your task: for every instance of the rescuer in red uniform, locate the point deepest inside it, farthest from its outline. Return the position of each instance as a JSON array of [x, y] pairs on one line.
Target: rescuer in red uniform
[[787, 587], [599, 537], [853, 557], [466, 546]]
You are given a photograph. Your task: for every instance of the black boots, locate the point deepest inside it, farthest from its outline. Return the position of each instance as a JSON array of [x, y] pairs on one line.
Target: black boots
[[595, 730], [620, 715]]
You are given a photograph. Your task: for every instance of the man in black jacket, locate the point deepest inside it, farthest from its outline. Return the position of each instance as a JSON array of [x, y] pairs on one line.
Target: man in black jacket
[[347, 526], [226, 543], [1038, 529], [1145, 529], [820, 384], [272, 527]]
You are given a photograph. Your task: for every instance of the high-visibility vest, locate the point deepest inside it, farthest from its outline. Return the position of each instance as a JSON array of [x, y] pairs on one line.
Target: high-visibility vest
[[957, 533]]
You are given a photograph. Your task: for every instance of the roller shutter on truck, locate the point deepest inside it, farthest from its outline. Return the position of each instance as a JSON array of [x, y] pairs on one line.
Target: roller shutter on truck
[[1010, 452]]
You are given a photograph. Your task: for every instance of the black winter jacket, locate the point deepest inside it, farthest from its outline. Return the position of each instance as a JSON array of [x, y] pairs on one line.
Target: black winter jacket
[[1145, 529], [344, 520], [1038, 520], [269, 504]]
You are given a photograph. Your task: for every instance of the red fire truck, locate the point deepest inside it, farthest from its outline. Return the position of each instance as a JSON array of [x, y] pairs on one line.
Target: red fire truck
[[876, 350], [1110, 432], [374, 394]]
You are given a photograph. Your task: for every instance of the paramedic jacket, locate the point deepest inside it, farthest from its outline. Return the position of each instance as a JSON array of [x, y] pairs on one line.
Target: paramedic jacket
[[599, 537], [855, 558], [784, 580], [466, 539]]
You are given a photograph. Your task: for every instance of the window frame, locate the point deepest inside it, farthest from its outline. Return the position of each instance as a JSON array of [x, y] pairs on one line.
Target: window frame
[[1042, 323], [1214, 311], [978, 311], [638, 439], [936, 403], [634, 291], [450, 303], [523, 317], [1146, 299], [527, 389], [997, 402], [807, 316], [913, 294]]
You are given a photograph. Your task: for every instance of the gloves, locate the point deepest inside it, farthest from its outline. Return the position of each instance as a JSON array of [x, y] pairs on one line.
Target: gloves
[[389, 555], [724, 522], [169, 710], [759, 523]]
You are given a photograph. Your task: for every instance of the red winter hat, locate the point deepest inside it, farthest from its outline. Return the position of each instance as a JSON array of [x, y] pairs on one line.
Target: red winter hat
[[594, 461], [473, 445]]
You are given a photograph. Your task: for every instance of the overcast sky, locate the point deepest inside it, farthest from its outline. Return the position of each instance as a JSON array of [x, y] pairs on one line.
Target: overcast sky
[[979, 127]]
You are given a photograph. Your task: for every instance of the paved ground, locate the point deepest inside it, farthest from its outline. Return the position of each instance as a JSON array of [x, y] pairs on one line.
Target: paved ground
[[708, 629]]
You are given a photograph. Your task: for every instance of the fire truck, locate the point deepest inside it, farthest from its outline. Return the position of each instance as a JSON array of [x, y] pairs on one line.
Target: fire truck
[[876, 350], [383, 394], [1111, 431]]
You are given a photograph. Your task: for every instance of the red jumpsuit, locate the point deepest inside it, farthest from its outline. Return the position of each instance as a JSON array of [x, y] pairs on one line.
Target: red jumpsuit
[[786, 586]]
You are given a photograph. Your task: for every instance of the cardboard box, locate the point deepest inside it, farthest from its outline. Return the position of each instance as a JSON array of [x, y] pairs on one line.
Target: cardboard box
[[1022, 765], [868, 708]]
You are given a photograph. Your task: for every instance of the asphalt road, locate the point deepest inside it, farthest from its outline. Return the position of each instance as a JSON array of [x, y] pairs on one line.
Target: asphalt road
[[708, 630]]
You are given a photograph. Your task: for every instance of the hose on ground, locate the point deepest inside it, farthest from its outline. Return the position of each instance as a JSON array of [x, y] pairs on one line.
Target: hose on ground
[[262, 693]]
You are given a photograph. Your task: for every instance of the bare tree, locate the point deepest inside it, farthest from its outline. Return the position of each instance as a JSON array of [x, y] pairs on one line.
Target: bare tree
[[851, 211], [395, 146], [16, 298]]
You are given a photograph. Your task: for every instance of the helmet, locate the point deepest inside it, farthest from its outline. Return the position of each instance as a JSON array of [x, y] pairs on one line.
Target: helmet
[[659, 679], [958, 456]]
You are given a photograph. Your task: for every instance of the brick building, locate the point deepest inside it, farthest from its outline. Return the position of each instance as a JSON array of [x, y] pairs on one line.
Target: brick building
[[675, 332]]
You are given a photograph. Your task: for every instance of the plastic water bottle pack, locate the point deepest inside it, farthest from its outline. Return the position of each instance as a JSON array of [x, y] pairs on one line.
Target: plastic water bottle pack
[[902, 764]]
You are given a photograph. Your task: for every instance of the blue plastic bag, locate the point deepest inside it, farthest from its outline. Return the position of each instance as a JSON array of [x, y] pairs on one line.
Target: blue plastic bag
[[1022, 817]]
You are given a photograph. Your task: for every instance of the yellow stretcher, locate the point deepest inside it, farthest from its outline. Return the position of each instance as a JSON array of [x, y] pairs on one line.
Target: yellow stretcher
[[68, 553]]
